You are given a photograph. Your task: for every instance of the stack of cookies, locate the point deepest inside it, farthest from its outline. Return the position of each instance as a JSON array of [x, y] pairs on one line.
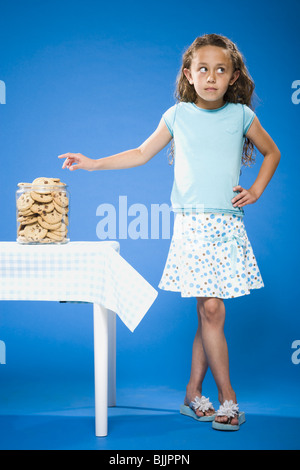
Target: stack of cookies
[[42, 211]]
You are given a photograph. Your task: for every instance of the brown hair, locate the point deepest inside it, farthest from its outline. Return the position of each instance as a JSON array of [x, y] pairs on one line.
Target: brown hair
[[240, 92]]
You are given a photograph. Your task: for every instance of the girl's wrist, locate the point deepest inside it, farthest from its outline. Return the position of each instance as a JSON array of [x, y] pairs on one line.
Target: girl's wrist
[[97, 165], [257, 193]]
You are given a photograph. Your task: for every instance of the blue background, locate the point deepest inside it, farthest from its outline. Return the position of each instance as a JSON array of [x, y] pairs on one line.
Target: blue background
[[95, 77]]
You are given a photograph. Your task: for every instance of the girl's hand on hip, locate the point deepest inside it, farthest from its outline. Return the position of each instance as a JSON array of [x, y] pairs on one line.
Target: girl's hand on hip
[[77, 161], [246, 196]]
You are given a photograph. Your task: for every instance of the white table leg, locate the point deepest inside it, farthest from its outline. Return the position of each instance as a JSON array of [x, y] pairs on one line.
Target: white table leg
[[101, 368], [111, 358]]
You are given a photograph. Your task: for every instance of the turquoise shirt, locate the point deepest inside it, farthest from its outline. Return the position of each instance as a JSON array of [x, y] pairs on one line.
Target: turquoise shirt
[[208, 154]]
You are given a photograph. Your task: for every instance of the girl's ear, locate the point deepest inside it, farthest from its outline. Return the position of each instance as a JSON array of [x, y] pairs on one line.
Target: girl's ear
[[235, 76], [188, 75]]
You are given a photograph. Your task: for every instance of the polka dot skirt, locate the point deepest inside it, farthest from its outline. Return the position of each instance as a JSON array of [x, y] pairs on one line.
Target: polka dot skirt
[[210, 255]]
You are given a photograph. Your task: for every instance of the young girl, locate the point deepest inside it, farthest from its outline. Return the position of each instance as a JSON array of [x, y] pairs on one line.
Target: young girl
[[214, 131]]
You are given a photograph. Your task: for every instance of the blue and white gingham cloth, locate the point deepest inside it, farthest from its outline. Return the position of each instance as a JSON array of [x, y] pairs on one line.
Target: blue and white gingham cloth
[[78, 271]]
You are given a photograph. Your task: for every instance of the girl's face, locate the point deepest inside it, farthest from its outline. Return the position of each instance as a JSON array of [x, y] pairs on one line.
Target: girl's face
[[211, 73]]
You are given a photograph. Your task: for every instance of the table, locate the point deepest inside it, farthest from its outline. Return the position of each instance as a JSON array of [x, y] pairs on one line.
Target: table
[[92, 272]]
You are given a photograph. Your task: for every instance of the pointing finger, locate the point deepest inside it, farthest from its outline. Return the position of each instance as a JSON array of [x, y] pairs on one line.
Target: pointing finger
[[63, 155]]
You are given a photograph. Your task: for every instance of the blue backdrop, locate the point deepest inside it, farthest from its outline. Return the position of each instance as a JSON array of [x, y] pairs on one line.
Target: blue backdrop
[[95, 77]]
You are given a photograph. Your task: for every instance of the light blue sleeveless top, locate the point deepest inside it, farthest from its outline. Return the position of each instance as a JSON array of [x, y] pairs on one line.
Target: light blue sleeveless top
[[208, 155]]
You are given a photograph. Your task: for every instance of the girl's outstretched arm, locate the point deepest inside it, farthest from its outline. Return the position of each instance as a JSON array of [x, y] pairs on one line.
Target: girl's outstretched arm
[[267, 147], [128, 159]]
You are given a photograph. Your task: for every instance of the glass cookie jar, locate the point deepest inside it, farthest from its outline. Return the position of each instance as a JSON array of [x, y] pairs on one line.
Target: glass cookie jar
[[42, 212]]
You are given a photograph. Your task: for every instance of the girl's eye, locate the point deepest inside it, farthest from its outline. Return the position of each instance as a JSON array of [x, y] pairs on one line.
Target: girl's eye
[[204, 69]]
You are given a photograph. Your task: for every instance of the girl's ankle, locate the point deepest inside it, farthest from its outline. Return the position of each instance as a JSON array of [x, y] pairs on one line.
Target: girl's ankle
[[192, 391], [228, 395]]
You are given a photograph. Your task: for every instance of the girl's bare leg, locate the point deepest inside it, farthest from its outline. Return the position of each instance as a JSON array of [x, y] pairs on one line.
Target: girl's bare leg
[[198, 369], [212, 315]]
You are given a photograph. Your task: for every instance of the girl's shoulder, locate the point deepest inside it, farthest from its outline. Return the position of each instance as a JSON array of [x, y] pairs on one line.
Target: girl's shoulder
[[180, 104], [238, 106], [189, 105], [188, 112], [242, 106], [178, 109], [171, 113], [174, 107], [241, 111]]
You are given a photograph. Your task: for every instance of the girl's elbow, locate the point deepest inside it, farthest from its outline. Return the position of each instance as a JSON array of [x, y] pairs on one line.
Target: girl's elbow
[[277, 158], [141, 158], [144, 156], [274, 153]]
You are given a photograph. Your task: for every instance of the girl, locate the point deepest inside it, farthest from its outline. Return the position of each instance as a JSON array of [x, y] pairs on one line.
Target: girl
[[213, 131]]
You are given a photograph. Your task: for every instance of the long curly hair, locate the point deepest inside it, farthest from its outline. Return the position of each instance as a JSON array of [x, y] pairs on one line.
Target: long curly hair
[[240, 92]]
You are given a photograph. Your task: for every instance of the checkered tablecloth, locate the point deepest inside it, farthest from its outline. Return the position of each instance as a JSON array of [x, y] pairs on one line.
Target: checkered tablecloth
[[78, 271]]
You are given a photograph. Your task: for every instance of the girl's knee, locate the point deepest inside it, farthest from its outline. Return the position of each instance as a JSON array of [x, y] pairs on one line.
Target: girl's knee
[[211, 309]]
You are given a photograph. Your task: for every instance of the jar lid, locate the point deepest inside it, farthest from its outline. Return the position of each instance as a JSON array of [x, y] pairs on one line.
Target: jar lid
[[30, 185]]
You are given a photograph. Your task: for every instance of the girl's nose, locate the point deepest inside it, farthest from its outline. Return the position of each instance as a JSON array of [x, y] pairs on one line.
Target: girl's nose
[[211, 78]]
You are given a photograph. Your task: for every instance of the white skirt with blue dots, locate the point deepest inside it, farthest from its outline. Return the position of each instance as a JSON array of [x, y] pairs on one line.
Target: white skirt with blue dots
[[210, 255]]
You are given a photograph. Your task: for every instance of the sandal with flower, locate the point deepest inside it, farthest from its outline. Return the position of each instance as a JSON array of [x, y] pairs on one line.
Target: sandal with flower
[[231, 411], [202, 404]]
